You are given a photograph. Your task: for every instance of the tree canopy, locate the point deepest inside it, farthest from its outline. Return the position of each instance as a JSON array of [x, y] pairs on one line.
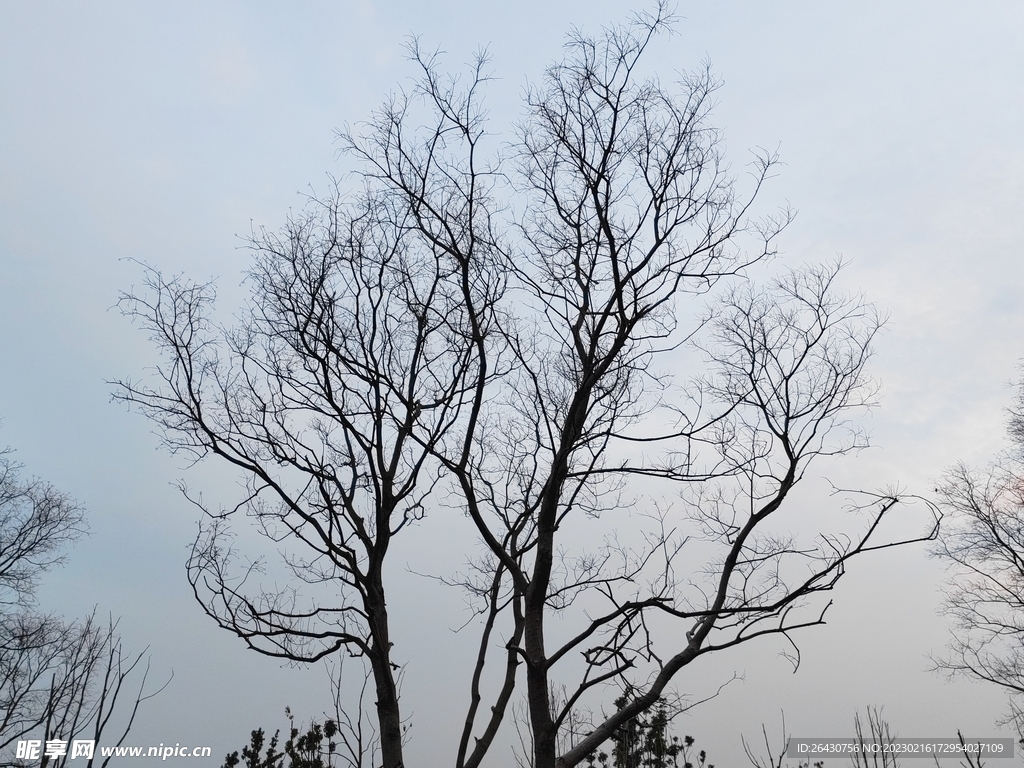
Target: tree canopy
[[562, 338]]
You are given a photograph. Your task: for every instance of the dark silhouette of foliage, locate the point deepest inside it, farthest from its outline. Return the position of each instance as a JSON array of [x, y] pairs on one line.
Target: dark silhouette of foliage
[[646, 742], [315, 748]]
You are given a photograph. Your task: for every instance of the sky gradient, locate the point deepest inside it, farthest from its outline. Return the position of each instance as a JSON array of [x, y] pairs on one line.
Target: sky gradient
[[164, 133]]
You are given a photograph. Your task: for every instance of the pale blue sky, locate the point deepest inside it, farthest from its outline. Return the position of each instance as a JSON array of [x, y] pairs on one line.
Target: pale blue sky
[[160, 132]]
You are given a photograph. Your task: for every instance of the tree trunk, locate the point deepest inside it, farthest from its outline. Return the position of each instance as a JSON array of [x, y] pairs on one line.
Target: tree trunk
[[545, 743], [389, 717], [538, 695]]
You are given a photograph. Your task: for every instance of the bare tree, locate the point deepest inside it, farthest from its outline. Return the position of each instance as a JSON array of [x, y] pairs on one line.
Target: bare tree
[[627, 211], [36, 523], [1016, 422], [874, 746], [878, 733], [59, 680], [556, 338], [983, 541], [354, 362]]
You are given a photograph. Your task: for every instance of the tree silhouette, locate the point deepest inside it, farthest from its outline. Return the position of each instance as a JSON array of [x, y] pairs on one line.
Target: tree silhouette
[[60, 680], [983, 542], [562, 339]]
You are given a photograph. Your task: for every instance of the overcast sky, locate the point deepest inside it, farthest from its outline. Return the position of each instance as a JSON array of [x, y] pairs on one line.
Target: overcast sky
[[163, 132]]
